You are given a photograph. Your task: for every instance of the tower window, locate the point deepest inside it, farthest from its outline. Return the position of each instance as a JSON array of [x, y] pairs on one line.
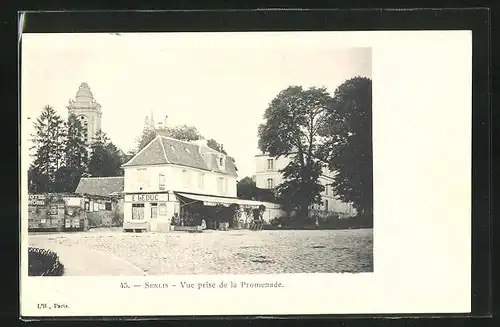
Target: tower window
[[270, 164]]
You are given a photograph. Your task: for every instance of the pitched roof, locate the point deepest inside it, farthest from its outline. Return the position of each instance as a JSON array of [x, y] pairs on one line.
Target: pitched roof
[[183, 153], [151, 154], [102, 186], [166, 150]]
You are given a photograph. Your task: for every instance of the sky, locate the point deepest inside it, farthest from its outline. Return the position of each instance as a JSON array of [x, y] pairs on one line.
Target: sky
[[221, 83]]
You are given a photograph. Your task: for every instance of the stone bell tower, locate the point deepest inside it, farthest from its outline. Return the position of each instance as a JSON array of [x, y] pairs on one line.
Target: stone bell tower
[[87, 111]]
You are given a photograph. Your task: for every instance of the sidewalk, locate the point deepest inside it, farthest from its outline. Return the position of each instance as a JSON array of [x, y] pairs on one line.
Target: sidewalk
[[79, 261]]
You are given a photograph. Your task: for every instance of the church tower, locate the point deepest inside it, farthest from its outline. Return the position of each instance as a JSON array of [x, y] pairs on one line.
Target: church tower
[[87, 111]]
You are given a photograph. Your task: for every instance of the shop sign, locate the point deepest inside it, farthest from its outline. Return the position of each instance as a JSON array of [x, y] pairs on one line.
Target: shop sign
[[141, 198], [37, 199]]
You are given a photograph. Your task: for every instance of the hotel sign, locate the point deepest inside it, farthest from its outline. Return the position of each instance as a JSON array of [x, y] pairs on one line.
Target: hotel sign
[[37, 199], [141, 198]]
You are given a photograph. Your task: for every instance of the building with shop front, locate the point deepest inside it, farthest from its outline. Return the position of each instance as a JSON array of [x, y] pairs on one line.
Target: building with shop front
[[268, 176], [102, 200], [168, 176]]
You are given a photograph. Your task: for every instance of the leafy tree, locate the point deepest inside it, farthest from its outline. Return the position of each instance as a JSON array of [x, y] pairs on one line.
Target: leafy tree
[[183, 133], [349, 145], [37, 182], [292, 129], [76, 157], [146, 137], [211, 143], [66, 179], [48, 142], [246, 189], [105, 159]]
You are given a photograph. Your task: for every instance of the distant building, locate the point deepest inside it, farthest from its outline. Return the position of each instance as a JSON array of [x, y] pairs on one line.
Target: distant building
[[268, 176], [87, 111], [158, 127]]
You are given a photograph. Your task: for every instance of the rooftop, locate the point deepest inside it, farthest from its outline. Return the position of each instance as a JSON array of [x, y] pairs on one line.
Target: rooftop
[[101, 186], [167, 150]]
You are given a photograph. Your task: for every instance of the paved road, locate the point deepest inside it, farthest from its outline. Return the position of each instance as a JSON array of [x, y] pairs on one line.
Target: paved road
[[211, 252], [81, 261]]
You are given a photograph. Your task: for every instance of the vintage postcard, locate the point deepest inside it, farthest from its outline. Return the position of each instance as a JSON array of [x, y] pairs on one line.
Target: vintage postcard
[[259, 173]]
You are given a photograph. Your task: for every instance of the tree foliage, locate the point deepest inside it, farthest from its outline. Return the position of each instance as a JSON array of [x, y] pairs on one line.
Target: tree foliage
[[105, 159], [348, 148], [211, 143], [62, 155], [247, 189], [292, 126], [48, 142], [146, 137], [183, 133], [76, 157]]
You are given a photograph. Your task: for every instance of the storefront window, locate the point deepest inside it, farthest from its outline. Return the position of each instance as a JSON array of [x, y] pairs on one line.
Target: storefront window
[[138, 211], [154, 210]]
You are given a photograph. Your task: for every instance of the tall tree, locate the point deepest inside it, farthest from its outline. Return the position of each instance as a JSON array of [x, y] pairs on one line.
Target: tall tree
[[183, 133], [146, 137], [76, 157], [349, 145], [292, 128], [211, 143], [48, 142], [246, 189], [105, 159]]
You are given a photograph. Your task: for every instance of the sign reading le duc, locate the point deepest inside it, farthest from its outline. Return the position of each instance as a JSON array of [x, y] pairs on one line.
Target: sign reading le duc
[[145, 197]]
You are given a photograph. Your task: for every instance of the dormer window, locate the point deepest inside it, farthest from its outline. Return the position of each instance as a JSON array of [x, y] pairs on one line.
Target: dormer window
[[222, 162]]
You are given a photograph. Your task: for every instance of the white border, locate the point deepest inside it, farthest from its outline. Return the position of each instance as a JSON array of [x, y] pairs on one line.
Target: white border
[[422, 95]]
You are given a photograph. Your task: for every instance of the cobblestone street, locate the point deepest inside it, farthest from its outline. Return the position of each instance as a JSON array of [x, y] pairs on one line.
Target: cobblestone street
[[211, 252]]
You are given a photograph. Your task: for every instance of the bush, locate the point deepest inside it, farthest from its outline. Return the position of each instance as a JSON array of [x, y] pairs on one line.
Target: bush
[[43, 262], [117, 220], [94, 221]]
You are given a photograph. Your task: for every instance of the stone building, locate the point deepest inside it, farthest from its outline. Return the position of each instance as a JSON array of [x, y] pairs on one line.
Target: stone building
[[268, 176], [87, 111], [169, 176]]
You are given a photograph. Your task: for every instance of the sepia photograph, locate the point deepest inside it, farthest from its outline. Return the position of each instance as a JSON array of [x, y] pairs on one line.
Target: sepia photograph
[[171, 172], [174, 154]]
